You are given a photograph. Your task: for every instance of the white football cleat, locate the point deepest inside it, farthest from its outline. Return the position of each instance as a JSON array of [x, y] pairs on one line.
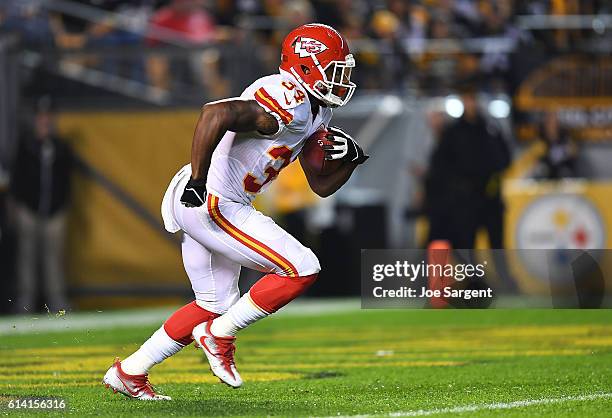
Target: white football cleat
[[132, 386], [219, 352]]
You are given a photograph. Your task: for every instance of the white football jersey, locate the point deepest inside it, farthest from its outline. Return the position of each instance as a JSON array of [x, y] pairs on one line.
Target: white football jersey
[[244, 164]]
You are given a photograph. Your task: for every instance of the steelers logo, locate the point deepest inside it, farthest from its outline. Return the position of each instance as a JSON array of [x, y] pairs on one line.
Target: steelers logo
[[560, 221], [551, 231]]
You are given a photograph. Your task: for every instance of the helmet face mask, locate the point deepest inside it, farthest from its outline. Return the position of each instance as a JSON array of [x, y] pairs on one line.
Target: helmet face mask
[[337, 89], [319, 58]]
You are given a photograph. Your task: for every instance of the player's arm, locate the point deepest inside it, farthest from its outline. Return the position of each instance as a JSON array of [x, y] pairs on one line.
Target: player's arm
[[343, 148], [215, 119]]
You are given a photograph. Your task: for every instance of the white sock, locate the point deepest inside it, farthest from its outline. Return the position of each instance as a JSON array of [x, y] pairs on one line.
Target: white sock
[[155, 350], [240, 315]]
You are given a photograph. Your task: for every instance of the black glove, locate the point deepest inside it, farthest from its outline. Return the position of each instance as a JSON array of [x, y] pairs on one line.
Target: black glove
[[194, 194], [343, 147]]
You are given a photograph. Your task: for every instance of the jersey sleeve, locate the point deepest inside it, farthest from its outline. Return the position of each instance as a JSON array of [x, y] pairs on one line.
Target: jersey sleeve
[[285, 102]]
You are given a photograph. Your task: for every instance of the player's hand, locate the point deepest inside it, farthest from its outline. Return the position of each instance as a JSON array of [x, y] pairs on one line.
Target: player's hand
[[194, 194], [343, 147]]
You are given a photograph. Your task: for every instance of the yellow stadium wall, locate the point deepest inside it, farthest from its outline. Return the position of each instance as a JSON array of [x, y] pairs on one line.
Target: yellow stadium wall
[[109, 245]]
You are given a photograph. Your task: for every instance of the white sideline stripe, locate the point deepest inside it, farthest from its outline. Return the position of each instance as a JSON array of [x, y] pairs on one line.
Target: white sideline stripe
[[483, 407], [32, 324]]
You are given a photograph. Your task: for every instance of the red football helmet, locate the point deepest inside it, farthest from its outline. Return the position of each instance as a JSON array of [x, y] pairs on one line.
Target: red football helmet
[[319, 57]]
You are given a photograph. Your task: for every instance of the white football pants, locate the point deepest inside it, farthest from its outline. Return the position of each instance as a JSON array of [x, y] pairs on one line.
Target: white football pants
[[222, 236]]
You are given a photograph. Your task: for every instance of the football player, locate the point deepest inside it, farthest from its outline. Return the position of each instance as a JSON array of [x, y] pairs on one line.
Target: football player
[[239, 146]]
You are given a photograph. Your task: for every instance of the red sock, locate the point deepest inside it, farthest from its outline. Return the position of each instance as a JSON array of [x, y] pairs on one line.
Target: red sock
[[181, 323], [272, 291]]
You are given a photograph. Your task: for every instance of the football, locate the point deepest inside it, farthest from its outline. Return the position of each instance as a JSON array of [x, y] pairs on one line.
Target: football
[[315, 156]]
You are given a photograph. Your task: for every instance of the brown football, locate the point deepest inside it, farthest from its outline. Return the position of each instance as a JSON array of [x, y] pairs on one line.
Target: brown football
[[314, 155]]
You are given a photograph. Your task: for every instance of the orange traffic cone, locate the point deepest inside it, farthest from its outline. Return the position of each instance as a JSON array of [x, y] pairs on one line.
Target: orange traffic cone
[[438, 252]]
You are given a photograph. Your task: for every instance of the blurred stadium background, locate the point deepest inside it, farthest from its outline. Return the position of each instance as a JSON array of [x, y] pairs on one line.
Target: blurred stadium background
[[120, 84]]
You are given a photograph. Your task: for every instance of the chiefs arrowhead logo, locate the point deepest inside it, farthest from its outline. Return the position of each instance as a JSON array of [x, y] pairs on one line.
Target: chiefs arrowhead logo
[[307, 46]]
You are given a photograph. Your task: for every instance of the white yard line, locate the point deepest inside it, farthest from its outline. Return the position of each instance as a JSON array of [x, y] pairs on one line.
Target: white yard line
[[32, 324], [484, 407]]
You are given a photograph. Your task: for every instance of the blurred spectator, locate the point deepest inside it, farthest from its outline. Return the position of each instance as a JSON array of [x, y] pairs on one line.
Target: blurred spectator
[[463, 182], [296, 12], [70, 32], [109, 33], [392, 65], [497, 28], [185, 22], [561, 152], [29, 19], [226, 12], [40, 187], [445, 62], [348, 16]]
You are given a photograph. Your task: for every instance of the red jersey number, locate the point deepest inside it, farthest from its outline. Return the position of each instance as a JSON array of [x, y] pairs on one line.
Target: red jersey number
[[299, 94], [281, 158]]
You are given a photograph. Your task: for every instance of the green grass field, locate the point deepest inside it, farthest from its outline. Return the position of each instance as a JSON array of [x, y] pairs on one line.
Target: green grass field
[[372, 363]]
